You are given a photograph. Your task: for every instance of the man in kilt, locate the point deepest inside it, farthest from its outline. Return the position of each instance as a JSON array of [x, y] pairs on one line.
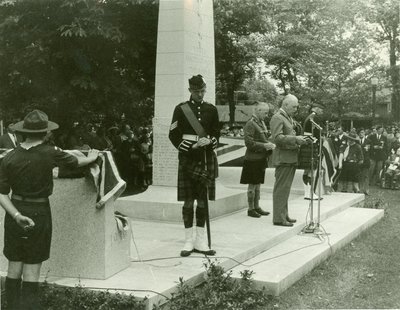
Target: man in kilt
[[310, 151], [198, 165]]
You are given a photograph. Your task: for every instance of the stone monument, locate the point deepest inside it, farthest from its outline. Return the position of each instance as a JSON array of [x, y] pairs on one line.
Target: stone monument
[[185, 47]]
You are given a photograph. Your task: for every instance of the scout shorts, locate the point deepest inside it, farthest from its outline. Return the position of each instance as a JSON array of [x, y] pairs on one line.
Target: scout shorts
[[33, 246]]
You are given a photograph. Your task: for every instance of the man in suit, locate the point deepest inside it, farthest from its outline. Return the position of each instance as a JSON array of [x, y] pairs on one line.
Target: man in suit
[[364, 172], [339, 140], [284, 157], [378, 154], [9, 140]]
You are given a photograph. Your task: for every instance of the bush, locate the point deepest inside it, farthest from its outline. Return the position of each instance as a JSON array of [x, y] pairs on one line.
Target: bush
[[376, 202], [54, 297], [219, 292]]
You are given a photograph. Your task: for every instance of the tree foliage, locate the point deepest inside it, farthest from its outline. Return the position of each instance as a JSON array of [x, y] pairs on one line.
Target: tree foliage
[[77, 58]]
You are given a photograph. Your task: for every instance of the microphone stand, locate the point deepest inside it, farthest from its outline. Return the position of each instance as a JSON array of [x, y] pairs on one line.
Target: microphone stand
[[312, 227]]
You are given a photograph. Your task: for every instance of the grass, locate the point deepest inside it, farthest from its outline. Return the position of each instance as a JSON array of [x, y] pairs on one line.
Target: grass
[[365, 274]]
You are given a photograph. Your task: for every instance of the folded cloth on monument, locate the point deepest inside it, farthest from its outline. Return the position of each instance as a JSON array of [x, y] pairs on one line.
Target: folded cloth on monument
[[103, 173], [122, 222]]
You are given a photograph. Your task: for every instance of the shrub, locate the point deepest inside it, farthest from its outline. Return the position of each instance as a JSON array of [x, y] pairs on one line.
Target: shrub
[[55, 297], [219, 292]]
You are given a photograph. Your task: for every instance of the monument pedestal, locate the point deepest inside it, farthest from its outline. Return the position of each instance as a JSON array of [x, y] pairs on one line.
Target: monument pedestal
[[86, 242]]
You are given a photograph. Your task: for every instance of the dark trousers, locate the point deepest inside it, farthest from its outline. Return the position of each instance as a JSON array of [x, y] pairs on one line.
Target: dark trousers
[[364, 180], [283, 182], [374, 169]]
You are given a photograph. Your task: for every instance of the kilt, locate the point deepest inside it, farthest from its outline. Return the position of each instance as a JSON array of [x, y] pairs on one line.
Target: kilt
[[350, 172], [304, 157], [189, 186], [253, 172], [33, 246]]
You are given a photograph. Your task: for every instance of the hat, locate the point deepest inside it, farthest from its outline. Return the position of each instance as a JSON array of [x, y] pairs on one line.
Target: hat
[[35, 121], [197, 82], [317, 105], [353, 136]]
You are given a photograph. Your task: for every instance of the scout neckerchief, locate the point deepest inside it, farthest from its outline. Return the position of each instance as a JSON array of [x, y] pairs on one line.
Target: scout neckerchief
[[198, 128]]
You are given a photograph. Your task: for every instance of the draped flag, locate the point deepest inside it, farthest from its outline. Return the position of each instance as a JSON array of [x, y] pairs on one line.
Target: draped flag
[[329, 164], [103, 173], [329, 161]]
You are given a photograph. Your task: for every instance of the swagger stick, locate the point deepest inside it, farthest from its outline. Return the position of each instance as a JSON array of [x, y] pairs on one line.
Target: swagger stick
[[206, 206]]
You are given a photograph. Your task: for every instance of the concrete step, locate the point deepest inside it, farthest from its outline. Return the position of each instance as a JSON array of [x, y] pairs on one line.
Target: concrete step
[[282, 265], [159, 203], [156, 265]]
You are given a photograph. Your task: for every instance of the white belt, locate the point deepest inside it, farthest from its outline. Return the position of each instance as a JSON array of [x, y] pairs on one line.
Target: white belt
[[192, 137]]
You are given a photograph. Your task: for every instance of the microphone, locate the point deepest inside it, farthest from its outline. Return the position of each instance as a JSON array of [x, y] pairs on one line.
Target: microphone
[[312, 115]]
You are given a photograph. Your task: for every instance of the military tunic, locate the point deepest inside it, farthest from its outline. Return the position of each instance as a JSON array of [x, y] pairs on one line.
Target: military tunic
[[195, 164]]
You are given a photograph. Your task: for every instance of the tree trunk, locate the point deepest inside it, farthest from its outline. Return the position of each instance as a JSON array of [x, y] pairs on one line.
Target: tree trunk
[[232, 105], [395, 73]]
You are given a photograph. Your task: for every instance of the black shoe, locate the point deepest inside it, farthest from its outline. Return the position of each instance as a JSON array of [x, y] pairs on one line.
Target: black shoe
[[261, 211], [185, 253], [253, 213], [208, 252], [291, 220], [283, 224]]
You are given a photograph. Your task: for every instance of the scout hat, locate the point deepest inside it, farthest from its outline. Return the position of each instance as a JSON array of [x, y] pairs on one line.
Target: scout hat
[[35, 121], [197, 82]]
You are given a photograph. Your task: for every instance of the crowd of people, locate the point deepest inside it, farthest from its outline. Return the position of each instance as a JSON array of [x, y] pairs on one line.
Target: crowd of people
[[131, 147], [367, 156]]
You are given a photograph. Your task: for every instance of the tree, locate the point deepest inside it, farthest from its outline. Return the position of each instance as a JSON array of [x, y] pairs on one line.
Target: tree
[[238, 25], [260, 90], [386, 14], [322, 49], [77, 58]]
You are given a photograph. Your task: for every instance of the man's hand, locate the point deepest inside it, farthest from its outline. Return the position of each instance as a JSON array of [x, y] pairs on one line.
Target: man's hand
[[93, 154], [302, 140], [202, 142], [269, 146], [25, 222]]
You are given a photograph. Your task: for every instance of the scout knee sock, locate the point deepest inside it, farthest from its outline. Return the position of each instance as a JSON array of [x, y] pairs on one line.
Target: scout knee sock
[[30, 296], [250, 199], [13, 292]]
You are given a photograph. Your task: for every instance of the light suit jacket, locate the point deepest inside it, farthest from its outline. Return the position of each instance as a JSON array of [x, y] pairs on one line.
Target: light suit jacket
[[284, 136]]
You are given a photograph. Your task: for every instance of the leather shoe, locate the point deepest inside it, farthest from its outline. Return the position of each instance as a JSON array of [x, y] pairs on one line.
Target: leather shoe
[[291, 220], [185, 253], [253, 213], [261, 211], [283, 224]]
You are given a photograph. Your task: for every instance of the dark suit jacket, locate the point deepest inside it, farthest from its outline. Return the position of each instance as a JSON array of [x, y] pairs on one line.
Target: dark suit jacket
[[255, 136], [284, 136], [380, 153], [6, 142], [339, 143], [366, 163]]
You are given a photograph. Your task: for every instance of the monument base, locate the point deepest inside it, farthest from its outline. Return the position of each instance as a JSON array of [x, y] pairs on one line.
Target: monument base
[[86, 242], [159, 203]]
